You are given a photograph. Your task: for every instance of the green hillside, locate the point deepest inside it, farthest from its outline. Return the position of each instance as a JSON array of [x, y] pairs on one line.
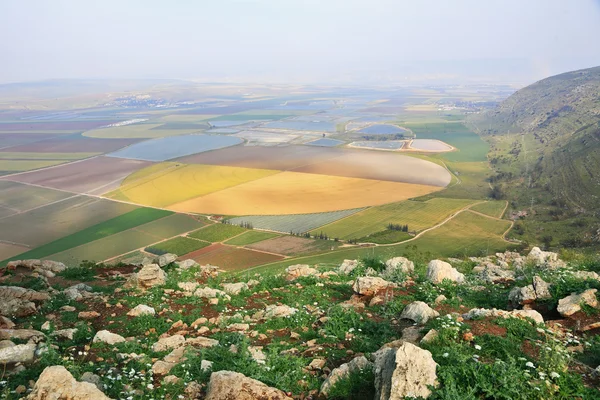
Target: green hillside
[[545, 148]]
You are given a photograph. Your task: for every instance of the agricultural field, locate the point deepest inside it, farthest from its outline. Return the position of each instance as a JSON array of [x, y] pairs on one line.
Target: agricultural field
[[467, 233], [171, 183], [250, 237], [87, 176], [294, 245], [493, 208], [8, 250], [12, 166], [136, 131], [471, 147], [172, 225], [51, 222], [71, 144], [418, 215], [18, 197], [297, 223], [101, 230], [299, 193], [217, 232], [175, 146], [231, 258], [12, 155], [179, 245]]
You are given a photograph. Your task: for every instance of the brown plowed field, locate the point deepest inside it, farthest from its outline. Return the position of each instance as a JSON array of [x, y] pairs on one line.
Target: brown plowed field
[[230, 258], [94, 175], [350, 163], [16, 139]]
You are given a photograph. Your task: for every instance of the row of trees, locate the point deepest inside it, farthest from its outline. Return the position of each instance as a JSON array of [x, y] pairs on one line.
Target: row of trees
[[397, 227]]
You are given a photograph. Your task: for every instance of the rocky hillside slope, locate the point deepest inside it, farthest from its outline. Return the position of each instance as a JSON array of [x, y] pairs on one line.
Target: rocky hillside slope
[[545, 150], [504, 327]]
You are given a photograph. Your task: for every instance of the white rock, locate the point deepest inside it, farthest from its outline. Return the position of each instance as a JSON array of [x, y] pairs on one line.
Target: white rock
[[234, 288], [107, 337], [370, 285], [201, 342], [186, 264], [206, 365], [419, 312], [149, 276], [401, 264], [210, 293], [477, 313], [21, 353], [141, 309], [572, 304], [348, 266], [406, 371], [438, 270], [275, 311], [296, 271]]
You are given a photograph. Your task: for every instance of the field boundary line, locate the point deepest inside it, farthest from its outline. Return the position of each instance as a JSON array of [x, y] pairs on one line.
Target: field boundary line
[[50, 167], [40, 206], [15, 243]]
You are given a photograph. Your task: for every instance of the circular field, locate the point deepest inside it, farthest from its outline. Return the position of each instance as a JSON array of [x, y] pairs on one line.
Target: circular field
[[278, 181]]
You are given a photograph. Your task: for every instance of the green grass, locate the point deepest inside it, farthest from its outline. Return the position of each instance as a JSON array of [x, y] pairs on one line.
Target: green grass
[[470, 146], [104, 229], [386, 237], [492, 208], [417, 214], [179, 245], [251, 237], [217, 232], [467, 233]]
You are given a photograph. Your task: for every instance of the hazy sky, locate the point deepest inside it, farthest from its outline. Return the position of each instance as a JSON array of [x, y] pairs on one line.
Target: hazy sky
[[297, 40]]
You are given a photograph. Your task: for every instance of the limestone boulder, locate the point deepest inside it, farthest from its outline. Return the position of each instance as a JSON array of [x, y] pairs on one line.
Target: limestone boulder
[[572, 304], [21, 334], [234, 288], [438, 270], [343, 371], [201, 342], [278, 311], [168, 343], [477, 313], [149, 276], [56, 383], [348, 266], [186, 264], [210, 293], [228, 385], [495, 274], [141, 309], [404, 371], [419, 312], [166, 259], [20, 353], [107, 337], [398, 264], [371, 285], [296, 271]]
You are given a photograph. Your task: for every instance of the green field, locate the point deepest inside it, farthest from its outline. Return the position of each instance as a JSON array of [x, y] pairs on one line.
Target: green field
[[470, 146], [493, 208], [385, 237], [172, 225], [179, 245], [217, 232], [467, 233], [297, 223], [49, 223], [417, 214], [104, 229], [251, 237]]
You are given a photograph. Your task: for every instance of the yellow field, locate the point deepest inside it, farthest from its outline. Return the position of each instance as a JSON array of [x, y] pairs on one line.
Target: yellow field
[[168, 183], [298, 193]]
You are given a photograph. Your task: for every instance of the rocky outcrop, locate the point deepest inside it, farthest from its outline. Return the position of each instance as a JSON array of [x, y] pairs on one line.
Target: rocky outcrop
[[538, 290], [234, 288], [228, 385], [438, 270], [343, 371], [149, 276], [572, 304], [404, 371], [296, 271], [46, 268], [495, 274], [56, 383], [546, 259], [16, 301], [168, 343], [278, 311], [370, 285], [21, 334], [210, 293], [419, 312]]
